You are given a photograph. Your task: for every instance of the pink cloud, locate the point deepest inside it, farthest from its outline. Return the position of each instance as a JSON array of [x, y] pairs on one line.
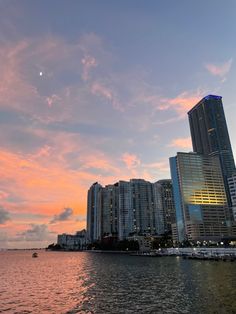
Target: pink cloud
[[102, 90], [3, 195], [22, 63], [182, 103], [131, 160], [219, 69], [88, 63], [184, 143], [52, 100]]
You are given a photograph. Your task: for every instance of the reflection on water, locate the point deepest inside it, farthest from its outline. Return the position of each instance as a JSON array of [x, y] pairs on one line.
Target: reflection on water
[[106, 283]]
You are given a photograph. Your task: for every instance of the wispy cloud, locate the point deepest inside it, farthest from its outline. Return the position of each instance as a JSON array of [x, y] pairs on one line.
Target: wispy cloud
[[107, 93], [52, 100], [182, 102], [131, 160], [184, 143], [220, 69], [88, 63]]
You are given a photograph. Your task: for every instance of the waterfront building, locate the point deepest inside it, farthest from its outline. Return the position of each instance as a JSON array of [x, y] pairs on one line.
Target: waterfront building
[[202, 212], [164, 202], [75, 242], [136, 208], [109, 210], [143, 209], [144, 242], [94, 212], [123, 209], [210, 135]]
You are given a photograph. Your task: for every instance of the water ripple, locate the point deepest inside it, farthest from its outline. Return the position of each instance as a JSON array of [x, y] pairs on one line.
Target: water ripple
[[72, 283]]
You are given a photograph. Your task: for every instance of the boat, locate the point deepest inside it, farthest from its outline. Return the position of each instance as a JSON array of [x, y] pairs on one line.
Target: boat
[[35, 254]]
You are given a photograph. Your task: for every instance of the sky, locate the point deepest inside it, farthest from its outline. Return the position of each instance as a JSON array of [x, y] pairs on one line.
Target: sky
[[99, 91]]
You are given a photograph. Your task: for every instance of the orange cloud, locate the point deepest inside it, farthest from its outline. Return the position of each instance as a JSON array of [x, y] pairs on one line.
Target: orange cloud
[[180, 104], [3, 195], [184, 102], [49, 187], [184, 142]]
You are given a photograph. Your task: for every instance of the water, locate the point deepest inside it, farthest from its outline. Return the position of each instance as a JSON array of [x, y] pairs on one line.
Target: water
[[60, 282]]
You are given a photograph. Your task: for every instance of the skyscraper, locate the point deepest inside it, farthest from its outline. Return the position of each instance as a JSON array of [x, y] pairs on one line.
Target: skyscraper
[[142, 204], [210, 134], [163, 199], [125, 210], [109, 210], [200, 198], [94, 213]]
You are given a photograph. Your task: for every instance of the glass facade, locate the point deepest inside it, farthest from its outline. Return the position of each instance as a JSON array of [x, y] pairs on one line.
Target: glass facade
[[179, 235], [210, 134], [200, 198], [94, 213]]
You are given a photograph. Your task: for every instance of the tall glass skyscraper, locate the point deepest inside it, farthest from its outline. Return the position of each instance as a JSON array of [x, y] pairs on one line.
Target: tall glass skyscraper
[[210, 134], [94, 212], [200, 198]]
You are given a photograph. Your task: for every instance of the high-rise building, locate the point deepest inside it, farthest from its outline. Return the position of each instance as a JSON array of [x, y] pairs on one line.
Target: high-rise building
[[163, 199], [210, 134], [143, 209], [94, 213], [200, 199], [125, 208], [109, 210]]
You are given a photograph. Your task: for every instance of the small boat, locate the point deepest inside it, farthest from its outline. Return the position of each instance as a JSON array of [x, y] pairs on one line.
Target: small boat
[[35, 254]]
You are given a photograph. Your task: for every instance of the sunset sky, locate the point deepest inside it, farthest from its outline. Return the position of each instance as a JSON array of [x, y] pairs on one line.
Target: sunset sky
[[99, 91]]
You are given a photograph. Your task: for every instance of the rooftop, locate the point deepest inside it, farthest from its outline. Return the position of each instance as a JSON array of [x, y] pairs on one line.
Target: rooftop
[[208, 97]]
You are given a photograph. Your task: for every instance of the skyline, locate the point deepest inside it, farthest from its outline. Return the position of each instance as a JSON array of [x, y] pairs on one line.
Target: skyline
[[100, 92]]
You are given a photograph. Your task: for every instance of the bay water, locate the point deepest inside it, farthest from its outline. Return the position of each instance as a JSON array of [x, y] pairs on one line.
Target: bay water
[[84, 282]]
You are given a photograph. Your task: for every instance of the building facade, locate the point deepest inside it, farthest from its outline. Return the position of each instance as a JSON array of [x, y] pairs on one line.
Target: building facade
[[164, 201], [94, 213], [142, 204], [73, 242], [202, 212], [109, 210], [127, 208]]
